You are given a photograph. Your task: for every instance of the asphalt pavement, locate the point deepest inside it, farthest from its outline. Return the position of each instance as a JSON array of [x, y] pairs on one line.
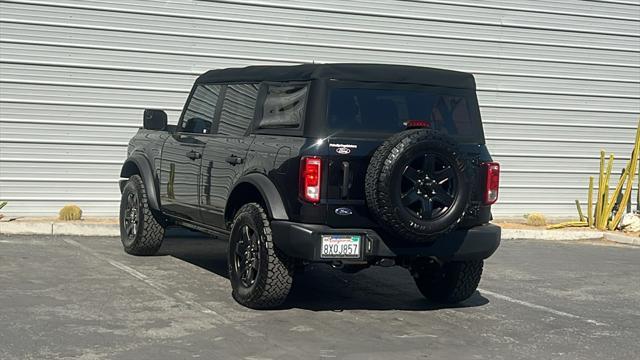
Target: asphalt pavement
[[83, 297]]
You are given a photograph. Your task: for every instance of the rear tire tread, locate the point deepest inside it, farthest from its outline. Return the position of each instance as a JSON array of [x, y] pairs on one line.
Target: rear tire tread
[[271, 290], [454, 283]]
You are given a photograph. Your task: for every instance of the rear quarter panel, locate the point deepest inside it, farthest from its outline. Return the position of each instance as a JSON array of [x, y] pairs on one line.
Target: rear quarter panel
[[278, 157]]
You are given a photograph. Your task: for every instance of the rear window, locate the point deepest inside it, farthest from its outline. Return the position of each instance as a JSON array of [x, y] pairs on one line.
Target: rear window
[[387, 110], [284, 105]]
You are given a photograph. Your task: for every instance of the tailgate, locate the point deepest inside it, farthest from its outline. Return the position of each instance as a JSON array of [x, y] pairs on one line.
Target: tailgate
[[348, 159]]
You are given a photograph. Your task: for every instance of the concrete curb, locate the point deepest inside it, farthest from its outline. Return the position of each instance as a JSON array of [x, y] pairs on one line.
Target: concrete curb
[[622, 239], [554, 235], [55, 228], [573, 235]]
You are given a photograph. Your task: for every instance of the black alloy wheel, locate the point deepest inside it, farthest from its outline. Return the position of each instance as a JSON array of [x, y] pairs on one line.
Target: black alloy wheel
[[428, 187], [247, 256], [131, 216]]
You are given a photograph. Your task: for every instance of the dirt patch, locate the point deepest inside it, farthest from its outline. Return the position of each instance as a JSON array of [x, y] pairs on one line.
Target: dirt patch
[[516, 225]]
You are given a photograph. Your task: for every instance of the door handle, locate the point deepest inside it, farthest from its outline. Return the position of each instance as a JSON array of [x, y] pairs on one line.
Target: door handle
[[346, 179], [234, 160], [194, 155]]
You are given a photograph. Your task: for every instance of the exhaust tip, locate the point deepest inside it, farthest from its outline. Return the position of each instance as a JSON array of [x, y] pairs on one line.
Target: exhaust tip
[[386, 262]]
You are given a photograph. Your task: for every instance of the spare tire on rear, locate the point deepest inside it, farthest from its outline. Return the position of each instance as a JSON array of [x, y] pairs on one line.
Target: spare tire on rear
[[417, 185]]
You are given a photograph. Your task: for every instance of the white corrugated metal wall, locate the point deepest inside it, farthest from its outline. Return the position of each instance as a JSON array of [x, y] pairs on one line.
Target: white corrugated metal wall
[[558, 80]]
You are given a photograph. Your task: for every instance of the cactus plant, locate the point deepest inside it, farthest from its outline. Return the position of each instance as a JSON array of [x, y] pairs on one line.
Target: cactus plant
[[70, 212], [536, 219], [2, 204]]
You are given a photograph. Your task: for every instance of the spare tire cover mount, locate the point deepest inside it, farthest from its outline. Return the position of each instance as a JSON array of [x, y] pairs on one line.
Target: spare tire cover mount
[[428, 186]]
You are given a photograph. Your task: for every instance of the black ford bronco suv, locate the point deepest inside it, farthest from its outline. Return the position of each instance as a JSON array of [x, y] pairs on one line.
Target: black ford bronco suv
[[350, 165]]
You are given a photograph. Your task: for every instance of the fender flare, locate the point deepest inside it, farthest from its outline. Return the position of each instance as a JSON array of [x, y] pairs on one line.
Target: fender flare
[[145, 171], [270, 195]]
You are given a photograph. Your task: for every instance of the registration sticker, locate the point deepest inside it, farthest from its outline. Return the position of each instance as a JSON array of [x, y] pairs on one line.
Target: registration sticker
[[340, 246]]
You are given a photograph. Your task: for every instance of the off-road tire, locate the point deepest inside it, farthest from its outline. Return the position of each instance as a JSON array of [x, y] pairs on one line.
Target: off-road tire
[[452, 283], [275, 269], [388, 159], [150, 232]]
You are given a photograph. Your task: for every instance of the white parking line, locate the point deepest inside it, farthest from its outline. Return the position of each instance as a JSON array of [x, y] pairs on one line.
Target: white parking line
[[540, 307], [22, 242], [159, 288]]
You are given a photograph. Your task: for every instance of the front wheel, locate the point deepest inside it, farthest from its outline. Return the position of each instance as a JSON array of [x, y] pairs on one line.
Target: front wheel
[[450, 283], [140, 232], [260, 274]]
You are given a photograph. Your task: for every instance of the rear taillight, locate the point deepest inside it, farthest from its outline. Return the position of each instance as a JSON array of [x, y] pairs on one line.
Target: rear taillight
[[310, 177], [493, 182], [416, 124]]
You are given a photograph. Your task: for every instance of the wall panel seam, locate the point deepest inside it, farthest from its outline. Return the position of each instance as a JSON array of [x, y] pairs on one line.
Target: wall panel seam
[[186, 90], [60, 161], [307, 44], [179, 108], [31, 120], [338, 11], [501, 23], [345, 29], [128, 125], [195, 73], [523, 9]]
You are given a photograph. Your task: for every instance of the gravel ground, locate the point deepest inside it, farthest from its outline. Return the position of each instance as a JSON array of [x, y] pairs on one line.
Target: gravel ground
[[67, 297]]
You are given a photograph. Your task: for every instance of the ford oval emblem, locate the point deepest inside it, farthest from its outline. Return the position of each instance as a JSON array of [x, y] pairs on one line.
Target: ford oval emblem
[[343, 150], [343, 211]]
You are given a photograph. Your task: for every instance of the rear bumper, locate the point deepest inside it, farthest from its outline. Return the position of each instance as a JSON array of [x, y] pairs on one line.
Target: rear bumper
[[303, 241]]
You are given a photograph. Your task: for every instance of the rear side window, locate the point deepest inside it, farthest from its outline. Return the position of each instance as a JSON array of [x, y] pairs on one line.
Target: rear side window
[[387, 110], [284, 106], [200, 113], [238, 109]]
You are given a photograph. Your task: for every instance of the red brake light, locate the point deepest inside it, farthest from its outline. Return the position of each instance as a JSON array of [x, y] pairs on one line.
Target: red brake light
[[310, 178], [413, 124], [492, 183]]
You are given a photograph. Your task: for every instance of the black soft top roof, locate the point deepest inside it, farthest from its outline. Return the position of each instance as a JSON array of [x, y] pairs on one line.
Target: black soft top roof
[[352, 72]]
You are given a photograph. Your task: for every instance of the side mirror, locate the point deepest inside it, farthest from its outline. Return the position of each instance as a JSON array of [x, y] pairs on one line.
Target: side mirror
[[154, 119]]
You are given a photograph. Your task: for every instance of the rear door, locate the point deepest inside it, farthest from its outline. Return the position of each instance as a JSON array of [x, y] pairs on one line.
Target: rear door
[[225, 153], [182, 154]]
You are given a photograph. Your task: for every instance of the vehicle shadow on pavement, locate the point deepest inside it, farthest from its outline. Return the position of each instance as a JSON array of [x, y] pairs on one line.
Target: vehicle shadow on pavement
[[196, 248], [319, 288]]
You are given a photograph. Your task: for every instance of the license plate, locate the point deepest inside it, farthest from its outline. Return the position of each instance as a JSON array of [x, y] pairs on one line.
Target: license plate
[[340, 246]]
